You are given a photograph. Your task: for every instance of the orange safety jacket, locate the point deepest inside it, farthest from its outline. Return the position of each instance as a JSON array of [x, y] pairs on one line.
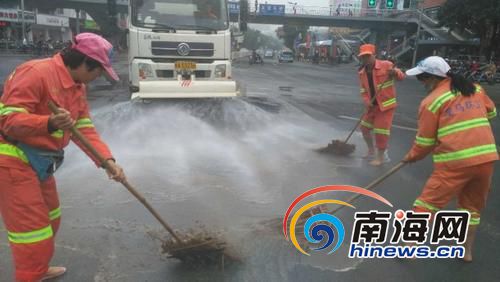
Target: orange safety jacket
[[24, 111], [384, 85], [455, 128]]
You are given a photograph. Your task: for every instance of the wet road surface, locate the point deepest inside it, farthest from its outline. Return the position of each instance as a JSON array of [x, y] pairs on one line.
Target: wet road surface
[[233, 166]]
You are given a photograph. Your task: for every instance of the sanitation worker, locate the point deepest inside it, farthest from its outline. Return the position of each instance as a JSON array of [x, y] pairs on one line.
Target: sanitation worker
[[454, 124], [31, 147], [376, 78]]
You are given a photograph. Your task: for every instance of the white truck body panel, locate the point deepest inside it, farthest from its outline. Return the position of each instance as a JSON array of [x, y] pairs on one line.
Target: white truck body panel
[[156, 57]]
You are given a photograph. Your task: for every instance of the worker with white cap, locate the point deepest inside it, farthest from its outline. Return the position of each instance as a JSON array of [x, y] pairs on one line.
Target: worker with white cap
[[454, 124]]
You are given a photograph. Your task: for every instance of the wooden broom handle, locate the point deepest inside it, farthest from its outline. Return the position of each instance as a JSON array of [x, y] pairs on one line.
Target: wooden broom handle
[[371, 102], [372, 185], [125, 183]]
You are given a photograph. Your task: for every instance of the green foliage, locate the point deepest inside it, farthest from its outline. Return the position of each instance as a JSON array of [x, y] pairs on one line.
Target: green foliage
[[480, 16], [291, 33], [254, 39]]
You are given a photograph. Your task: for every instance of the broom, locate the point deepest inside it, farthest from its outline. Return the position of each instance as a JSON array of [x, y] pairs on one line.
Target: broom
[[372, 185], [197, 247], [341, 147]]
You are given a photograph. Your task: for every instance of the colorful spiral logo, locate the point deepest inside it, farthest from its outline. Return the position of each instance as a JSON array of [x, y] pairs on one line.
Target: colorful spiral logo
[[322, 227]]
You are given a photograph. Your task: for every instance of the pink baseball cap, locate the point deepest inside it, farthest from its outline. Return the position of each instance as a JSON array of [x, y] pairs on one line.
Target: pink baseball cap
[[97, 48]]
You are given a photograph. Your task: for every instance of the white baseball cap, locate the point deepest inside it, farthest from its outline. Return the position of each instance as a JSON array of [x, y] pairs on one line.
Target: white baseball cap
[[433, 65]]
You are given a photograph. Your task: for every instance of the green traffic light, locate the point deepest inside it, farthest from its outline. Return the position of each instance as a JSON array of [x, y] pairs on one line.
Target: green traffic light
[[372, 3], [389, 4]]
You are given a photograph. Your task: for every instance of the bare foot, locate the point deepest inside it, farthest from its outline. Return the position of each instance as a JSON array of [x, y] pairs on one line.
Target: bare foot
[[53, 272], [376, 163], [467, 257]]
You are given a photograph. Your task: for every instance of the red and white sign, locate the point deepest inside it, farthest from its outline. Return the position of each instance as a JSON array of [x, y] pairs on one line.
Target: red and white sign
[[13, 15], [186, 83], [9, 15]]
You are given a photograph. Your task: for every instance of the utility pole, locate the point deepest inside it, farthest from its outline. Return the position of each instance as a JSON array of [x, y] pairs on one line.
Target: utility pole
[[415, 50], [22, 20], [77, 21]]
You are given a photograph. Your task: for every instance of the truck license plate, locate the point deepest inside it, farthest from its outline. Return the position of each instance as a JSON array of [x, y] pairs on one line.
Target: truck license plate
[[185, 65]]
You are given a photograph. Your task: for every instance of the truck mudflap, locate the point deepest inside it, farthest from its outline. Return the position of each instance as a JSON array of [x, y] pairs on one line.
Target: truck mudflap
[[186, 89]]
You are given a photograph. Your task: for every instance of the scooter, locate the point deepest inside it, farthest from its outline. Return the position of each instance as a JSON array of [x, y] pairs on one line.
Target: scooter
[[481, 76], [255, 60]]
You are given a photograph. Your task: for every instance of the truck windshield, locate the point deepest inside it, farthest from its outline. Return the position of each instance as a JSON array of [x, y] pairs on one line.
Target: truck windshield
[[181, 14]]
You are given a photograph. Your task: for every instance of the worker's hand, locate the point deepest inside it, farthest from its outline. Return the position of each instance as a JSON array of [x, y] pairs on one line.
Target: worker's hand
[[392, 73], [114, 171], [409, 159], [62, 120]]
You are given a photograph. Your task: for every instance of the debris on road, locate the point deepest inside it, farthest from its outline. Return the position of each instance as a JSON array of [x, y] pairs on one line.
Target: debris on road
[[338, 147], [200, 247]]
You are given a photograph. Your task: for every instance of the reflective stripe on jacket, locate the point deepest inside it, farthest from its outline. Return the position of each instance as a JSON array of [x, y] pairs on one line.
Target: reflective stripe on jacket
[[384, 85], [455, 128]]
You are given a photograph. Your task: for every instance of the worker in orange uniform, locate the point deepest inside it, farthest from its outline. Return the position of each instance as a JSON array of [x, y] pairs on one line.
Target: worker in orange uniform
[[376, 78], [454, 125], [31, 147]]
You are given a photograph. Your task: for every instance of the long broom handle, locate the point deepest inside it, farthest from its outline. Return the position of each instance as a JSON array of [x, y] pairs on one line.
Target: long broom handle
[[372, 185], [125, 183], [361, 118]]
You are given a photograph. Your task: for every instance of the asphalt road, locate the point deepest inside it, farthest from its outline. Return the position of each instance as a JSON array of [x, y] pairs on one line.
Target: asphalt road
[[234, 166]]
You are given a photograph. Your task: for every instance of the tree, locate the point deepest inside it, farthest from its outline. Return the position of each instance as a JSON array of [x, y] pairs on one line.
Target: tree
[[254, 39], [291, 33], [480, 16]]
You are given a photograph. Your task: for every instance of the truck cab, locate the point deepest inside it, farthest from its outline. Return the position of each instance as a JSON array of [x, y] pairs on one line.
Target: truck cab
[[180, 49]]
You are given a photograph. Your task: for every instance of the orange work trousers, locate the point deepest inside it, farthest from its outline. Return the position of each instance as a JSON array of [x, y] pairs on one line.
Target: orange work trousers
[[380, 123], [470, 185], [31, 214]]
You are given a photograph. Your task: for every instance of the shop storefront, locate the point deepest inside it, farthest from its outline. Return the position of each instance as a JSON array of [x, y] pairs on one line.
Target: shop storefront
[[50, 27], [10, 25]]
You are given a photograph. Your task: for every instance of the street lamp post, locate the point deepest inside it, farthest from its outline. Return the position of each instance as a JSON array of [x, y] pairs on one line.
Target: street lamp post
[[294, 7], [77, 28], [23, 24], [415, 50]]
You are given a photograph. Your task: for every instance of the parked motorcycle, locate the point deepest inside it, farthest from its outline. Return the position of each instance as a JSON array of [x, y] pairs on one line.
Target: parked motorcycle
[[482, 76]]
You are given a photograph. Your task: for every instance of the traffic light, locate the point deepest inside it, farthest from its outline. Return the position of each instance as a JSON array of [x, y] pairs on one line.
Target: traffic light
[[389, 4], [372, 3]]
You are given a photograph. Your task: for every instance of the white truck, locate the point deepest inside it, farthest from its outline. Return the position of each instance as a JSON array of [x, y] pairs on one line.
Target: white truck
[[180, 49]]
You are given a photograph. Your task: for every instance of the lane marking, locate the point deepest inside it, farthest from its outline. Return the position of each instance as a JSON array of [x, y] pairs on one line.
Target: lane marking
[[395, 126]]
